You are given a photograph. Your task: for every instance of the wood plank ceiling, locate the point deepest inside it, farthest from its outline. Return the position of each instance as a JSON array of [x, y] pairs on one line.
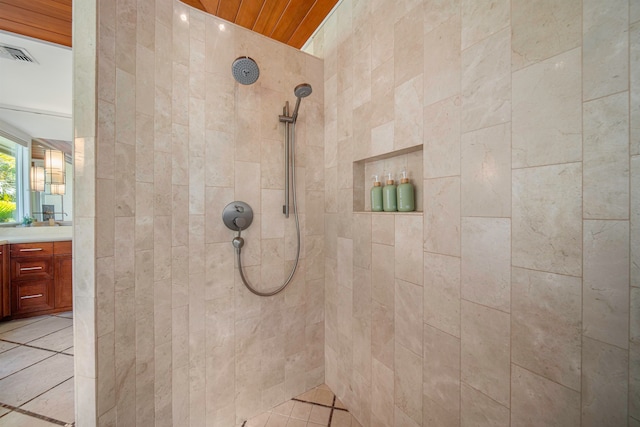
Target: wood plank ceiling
[[288, 21]]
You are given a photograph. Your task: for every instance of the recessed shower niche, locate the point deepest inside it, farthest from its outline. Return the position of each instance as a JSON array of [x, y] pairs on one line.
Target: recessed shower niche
[[409, 159]]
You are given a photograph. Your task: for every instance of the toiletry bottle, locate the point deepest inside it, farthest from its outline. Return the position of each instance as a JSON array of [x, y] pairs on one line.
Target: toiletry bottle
[[376, 195], [389, 195], [406, 201]]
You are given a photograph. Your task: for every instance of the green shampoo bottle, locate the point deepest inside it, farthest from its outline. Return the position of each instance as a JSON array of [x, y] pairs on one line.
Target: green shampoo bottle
[[389, 195], [376, 195], [406, 200]]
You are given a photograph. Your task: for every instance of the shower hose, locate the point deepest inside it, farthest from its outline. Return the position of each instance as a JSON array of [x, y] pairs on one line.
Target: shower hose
[[238, 241]]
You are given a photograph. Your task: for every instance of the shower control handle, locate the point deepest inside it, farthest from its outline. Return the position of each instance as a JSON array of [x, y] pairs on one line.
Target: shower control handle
[[237, 216]]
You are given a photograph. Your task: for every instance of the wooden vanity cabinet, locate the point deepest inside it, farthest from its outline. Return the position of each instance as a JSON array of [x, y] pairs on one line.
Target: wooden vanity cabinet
[[5, 299], [41, 280], [63, 273]]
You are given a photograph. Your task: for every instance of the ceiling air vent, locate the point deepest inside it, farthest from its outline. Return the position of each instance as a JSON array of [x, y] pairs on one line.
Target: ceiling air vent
[[15, 54]]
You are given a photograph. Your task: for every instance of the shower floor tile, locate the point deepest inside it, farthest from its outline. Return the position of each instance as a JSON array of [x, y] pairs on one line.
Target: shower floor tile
[[315, 408]]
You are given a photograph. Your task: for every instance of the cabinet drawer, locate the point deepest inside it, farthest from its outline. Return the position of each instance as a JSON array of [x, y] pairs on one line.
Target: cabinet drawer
[[31, 249], [27, 268], [35, 295]]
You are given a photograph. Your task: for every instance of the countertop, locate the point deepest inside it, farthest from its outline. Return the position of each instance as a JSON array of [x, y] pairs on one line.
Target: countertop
[[35, 234]]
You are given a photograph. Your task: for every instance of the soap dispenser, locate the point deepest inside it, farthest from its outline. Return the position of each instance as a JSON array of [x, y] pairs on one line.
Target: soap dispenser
[[376, 195], [406, 202], [389, 195]]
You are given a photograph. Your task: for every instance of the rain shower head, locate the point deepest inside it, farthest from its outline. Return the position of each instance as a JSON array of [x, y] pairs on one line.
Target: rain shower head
[[245, 70]]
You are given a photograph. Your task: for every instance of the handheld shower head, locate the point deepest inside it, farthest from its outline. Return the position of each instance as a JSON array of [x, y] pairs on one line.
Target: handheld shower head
[[301, 91]]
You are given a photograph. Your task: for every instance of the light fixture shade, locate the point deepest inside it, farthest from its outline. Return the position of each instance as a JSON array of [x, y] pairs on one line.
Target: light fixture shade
[[58, 189], [54, 167], [37, 178]]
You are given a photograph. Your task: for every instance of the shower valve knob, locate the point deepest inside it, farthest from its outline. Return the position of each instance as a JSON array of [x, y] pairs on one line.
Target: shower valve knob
[[237, 216]]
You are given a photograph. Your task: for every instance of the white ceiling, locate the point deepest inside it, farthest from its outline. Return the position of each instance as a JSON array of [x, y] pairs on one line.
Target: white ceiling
[[36, 98]]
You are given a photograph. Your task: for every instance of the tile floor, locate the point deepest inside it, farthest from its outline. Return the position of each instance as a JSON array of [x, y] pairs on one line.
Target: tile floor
[[315, 408], [36, 371]]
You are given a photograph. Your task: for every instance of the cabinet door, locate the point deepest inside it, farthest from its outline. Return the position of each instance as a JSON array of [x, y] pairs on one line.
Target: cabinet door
[[64, 281]]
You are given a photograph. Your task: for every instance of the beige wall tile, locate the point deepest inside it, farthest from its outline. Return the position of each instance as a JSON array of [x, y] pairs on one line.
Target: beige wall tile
[[634, 323], [437, 12], [408, 249], [85, 398], [408, 316], [408, 126], [383, 333], [635, 221], [530, 393], [345, 262], [482, 19], [442, 138], [547, 116], [485, 351], [546, 325], [634, 84], [408, 51], [408, 383], [382, 90], [442, 216], [441, 378], [486, 172], [606, 157], [442, 61], [634, 381], [543, 30], [362, 240], [382, 276], [606, 282], [383, 229], [605, 47], [486, 262], [381, 389], [605, 373], [547, 213], [634, 11], [486, 82], [362, 82], [442, 292], [479, 410], [402, 419]]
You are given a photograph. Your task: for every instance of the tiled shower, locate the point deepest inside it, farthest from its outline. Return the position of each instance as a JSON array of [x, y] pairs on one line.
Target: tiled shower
[[514, 288]]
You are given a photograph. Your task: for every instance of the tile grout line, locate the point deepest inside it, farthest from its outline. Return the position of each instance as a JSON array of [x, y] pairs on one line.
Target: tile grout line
[[333, 405], [33, 414], [37, 348], [320, 404]]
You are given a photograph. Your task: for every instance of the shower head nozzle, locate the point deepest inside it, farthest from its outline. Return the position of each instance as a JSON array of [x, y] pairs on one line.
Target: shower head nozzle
[[245, 70], [302, 90]]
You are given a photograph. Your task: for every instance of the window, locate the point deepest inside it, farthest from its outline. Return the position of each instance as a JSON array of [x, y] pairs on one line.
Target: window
[[14, 183]]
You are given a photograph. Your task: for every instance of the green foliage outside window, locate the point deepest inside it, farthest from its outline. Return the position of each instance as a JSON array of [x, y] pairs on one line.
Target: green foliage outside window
[[7, 187]]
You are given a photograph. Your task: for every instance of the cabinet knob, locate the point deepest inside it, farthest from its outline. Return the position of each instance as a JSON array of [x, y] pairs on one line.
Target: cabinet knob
[[30, 268], [31, 250]]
